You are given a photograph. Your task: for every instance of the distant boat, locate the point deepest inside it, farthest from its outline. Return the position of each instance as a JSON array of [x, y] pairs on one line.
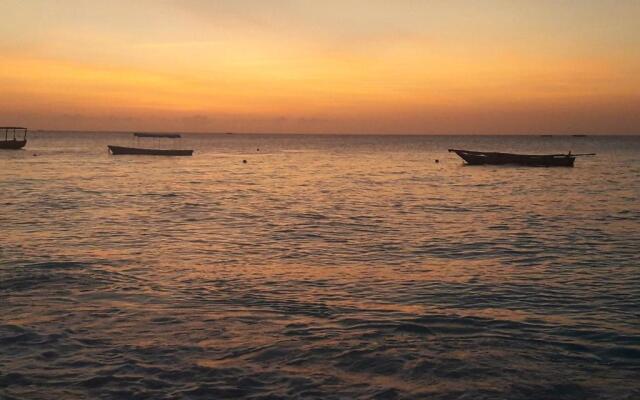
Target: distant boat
[[579, 135], [13, 142], [122, 150], [531, 160]]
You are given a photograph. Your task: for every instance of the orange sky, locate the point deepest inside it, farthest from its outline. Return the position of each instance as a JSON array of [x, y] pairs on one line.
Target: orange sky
[[342, 66]]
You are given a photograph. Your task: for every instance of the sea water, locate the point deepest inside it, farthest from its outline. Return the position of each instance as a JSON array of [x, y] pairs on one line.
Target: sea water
[[323, 267]]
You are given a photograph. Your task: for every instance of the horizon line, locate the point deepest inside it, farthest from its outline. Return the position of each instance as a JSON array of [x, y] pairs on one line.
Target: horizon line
[[332, 133]]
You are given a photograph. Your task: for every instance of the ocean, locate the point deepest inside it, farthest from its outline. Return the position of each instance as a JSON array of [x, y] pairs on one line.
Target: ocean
[[323, 267]]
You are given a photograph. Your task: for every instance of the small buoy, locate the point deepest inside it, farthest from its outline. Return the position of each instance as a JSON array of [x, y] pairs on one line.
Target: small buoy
[[437, 161], [244, 161], [35, 155], [258, 149]]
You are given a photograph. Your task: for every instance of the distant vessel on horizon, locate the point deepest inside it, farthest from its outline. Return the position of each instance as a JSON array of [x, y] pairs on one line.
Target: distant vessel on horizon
[[13, 143], [122, 150]]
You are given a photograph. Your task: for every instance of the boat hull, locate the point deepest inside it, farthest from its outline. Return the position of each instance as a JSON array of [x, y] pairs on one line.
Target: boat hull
[[482, 158], [120, 150], [12, 144]]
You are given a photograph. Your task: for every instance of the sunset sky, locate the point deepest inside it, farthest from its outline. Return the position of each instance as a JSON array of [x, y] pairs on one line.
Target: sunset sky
[[343, 66]]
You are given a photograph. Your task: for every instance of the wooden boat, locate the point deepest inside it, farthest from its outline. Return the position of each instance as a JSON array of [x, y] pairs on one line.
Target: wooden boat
[[122, 150], [12, 143], [531, 160]]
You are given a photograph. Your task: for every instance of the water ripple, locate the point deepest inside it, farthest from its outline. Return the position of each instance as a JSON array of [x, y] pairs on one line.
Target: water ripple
[[329, 268]]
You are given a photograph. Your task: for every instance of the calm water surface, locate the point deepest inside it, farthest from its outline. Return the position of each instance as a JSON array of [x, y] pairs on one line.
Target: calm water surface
[[326, 267]]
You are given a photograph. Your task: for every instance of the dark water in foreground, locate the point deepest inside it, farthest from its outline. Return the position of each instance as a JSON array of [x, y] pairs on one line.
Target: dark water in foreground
[[324, 268]]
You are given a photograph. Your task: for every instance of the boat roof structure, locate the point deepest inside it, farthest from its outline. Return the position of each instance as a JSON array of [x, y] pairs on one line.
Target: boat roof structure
[[158, 135]]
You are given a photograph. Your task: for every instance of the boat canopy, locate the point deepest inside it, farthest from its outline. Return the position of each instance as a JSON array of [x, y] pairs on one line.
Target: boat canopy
[[13, 129], [158, 135]]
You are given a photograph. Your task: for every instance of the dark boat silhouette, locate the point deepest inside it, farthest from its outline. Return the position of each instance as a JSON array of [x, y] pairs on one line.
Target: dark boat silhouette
[[531, 160], [12, 143], [122, 150]]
